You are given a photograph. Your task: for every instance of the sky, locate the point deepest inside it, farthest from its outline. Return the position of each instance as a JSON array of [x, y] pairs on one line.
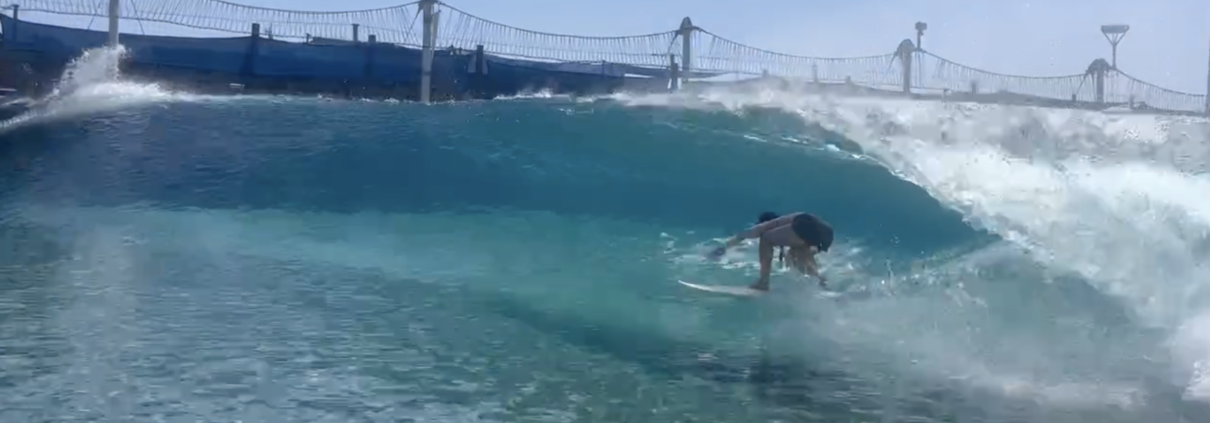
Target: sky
[[1168, 43]]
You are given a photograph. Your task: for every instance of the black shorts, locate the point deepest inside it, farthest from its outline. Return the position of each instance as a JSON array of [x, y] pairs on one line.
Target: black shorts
[[813, 230]]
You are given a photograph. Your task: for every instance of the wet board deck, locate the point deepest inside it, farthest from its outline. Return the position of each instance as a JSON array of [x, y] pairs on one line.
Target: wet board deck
[[742, 291]]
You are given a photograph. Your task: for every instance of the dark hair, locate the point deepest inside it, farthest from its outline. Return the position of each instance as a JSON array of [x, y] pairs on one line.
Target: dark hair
[[766, 216]]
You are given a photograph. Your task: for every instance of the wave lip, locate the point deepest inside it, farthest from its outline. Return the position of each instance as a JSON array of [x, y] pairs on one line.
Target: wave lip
[[1111, 200]]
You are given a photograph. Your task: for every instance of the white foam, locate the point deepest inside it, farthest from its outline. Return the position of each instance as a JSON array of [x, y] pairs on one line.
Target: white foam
[[1117, 199], [92, 83]]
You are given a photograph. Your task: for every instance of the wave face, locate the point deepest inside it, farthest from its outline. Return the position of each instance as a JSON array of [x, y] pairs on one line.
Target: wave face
[[268, 258]]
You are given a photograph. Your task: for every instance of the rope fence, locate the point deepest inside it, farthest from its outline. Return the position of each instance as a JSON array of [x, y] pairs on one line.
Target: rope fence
[[710, 53]]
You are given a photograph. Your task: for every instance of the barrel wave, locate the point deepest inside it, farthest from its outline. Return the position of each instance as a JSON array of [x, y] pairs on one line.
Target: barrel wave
[[173, 257]]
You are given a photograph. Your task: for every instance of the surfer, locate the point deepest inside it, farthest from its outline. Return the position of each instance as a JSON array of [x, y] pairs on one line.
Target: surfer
[[805, 234], [781, 251]]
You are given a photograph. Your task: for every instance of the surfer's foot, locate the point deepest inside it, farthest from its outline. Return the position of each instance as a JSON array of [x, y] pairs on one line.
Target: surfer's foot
[[759, 286]]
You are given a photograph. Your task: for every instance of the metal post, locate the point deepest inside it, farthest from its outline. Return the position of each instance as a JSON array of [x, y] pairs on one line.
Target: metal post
[[12, 38], [686, 33], [115, 12], [426, 61], [905, 51], [674, 71]]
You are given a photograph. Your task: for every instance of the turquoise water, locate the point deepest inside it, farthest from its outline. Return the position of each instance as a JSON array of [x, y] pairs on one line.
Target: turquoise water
[[172, 257]]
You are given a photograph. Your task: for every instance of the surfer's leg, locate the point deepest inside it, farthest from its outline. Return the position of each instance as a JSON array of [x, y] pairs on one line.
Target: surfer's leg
[[782, 236], [766, 265]]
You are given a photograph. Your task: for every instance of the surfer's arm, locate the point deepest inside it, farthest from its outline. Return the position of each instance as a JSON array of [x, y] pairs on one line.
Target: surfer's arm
[[759, 229], [808, 265]]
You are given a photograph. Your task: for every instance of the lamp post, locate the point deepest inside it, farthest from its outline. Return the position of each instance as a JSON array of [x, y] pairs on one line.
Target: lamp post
[[920, 28], [1114, 34]]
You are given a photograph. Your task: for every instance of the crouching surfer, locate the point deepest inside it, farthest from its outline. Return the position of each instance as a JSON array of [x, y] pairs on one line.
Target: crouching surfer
[[803, 233]]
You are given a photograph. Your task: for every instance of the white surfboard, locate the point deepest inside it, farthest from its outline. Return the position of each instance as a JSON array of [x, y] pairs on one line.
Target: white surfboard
[[742, 291], [828, 294]]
